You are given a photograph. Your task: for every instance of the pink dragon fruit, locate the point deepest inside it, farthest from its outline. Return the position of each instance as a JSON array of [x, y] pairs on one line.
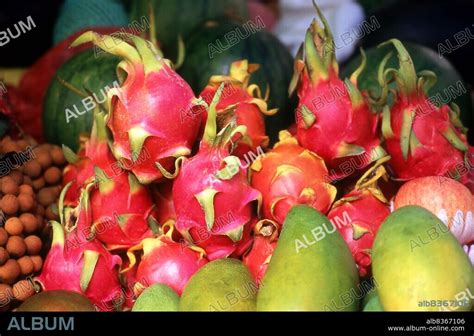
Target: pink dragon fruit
[[288, 175], [122, 209], [165, 261], [333, 117], [264, 243], [212, 197], [162, 194], [149, 135], [249, 108], [422, 139], [77, 262], [359, 214]]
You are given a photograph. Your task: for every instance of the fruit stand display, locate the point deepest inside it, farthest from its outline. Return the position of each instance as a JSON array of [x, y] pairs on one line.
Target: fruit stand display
[[151, 168]]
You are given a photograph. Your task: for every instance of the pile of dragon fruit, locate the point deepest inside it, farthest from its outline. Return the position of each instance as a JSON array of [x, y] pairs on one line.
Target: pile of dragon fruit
[[164, 185]]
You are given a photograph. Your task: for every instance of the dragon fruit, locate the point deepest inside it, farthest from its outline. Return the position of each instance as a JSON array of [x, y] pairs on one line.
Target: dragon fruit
[[469, 165], [264, 243], [149, 135], [333, 117], [288, 175], [77, 262], [212, 198], [162, 194], [165, 261], [249, 108], [93, 152], [359, 214], [122, 209], [422, 139]]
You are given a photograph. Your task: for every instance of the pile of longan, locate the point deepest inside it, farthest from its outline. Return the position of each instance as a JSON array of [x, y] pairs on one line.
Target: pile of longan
[[28, 199]]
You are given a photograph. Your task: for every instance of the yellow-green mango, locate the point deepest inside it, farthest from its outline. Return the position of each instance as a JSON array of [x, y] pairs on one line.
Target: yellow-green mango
[[418, 265], [221, 285], [311, 268]]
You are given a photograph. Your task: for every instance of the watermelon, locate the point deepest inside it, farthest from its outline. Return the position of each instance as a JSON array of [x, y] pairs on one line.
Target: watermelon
[[448, 86], [174, 18], [67, 114], [209, 53], [77, 15]]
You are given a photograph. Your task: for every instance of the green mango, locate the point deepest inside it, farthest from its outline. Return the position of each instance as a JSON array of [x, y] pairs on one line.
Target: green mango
[[157, 297], [418, 265], [221, 285], [311, 269], [371, 302]]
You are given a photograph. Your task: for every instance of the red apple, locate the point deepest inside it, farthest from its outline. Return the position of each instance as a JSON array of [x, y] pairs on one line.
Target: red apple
[[448, 199]]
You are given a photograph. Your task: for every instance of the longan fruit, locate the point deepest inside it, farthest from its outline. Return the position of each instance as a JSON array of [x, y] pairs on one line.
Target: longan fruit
[[9, 146], [44, 159], [9, 204], [37, 262], [14, 226], [27, 181], [30, 223], [32, 169], [16, 246], [3, 236], [52, 175], [26, 265], [26, 202], [33, 244], [10, 271], [58, 156], [26, 189], [39, 209], [6, 296], [23, 289], [22, 144], [46, 196], [17, 176], [40, 221], [9, 186], [50, 214], [4, 256], [38, 183]]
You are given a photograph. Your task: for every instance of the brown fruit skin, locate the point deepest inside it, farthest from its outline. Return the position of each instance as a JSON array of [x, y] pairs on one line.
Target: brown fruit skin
[[58, 156], [27, 180], [39, 209], [52, 175], [30, 223], [3, 236], [9, 204], [14, 226], [9, 146], [37, 263], [9, 186], [44, 159], [56, 301], [27, 203], [40, 221], [33, 245], [50, 214], [22, 144], [17, 176], [26, 265], [16, 246], [6, 296], [26, 189], [32, 169], [4, 256], [46, 196], [10, 272], [23, 289], [38, 183]]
